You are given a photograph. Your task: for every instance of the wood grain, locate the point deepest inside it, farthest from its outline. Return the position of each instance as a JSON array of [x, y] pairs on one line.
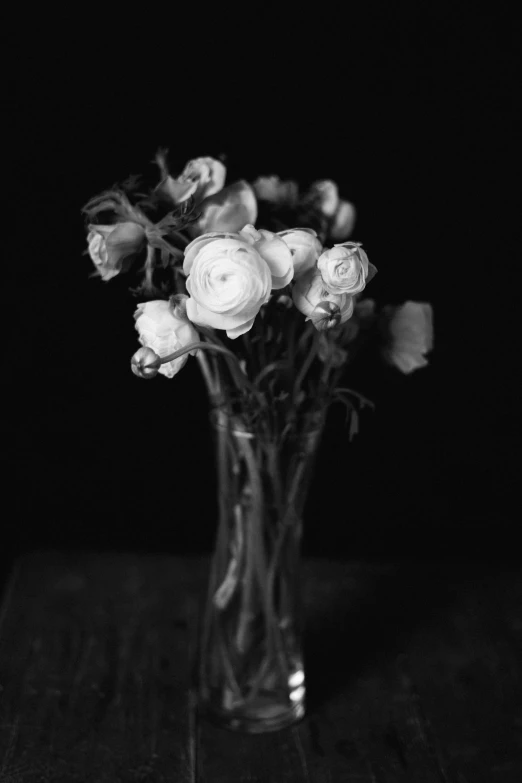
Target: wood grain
[[413, 675], [95, 658]]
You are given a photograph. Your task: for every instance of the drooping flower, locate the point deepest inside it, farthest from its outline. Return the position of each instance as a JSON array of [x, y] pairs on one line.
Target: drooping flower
[[228, 282], [201, 177], [409, 335], [345, 268], [163, 329], [113, 248]]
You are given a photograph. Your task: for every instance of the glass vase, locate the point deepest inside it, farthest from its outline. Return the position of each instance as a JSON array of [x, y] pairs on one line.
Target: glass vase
[[251, 674]]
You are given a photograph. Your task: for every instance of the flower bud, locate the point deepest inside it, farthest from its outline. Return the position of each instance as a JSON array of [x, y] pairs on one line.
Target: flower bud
[[142, 363], [313, 300], [325, 316]]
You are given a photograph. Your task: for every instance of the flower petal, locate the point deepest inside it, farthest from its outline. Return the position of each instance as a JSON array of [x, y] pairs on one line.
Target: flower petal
[[344, 221], [278, 256], [229, 210]]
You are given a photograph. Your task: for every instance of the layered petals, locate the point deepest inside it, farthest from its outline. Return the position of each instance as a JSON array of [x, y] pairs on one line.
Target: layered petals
[[304, 246], [228, 210], [324, 309], [228, 282], [345, 268], [162, 329], [113, 248]]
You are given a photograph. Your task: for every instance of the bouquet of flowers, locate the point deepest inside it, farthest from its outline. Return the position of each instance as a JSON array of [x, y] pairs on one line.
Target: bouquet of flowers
[[260, 283]]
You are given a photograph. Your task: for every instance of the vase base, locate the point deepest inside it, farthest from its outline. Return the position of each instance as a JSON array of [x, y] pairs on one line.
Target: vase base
[[266, 718]]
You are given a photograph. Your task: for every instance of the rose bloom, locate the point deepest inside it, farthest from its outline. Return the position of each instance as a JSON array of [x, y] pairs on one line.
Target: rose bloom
[[201, 177], [309, 293], [112, 248], [162, 328], [304, 246], [409, 331], [345, 268], [228, 282]]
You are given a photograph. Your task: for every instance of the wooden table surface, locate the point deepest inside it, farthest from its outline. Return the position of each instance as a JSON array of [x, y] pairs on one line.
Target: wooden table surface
[[413, 674]]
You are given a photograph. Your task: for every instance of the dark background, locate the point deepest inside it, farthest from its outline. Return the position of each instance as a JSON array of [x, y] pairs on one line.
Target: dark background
[[415, 119]]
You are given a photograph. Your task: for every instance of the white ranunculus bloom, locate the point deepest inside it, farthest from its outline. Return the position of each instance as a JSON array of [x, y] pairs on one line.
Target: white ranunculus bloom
[[345, 268], [161, 329], [274, 251], [410, 335], [228, 282], [111, 248], [201, 177], [227, 210], [304, 246], [312, 298]]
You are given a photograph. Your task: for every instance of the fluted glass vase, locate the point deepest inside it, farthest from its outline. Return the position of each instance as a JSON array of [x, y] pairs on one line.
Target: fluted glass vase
[[251, 674]]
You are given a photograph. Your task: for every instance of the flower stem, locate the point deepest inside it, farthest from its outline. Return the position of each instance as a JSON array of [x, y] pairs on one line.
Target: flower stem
[[305, 366]]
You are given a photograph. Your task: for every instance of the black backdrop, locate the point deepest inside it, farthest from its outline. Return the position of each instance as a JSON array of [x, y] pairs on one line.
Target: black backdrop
[[415, 119]]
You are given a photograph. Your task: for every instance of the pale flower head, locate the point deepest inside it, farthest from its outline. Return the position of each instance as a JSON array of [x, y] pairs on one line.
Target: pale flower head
[[343, 221], [228, 210], [201, 177], [274, 251], [304, 246], [409, 332], [324, 194], [345, 268], [276, 191], [324, 309], [162, 328], [228, 282], [113, 248]]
